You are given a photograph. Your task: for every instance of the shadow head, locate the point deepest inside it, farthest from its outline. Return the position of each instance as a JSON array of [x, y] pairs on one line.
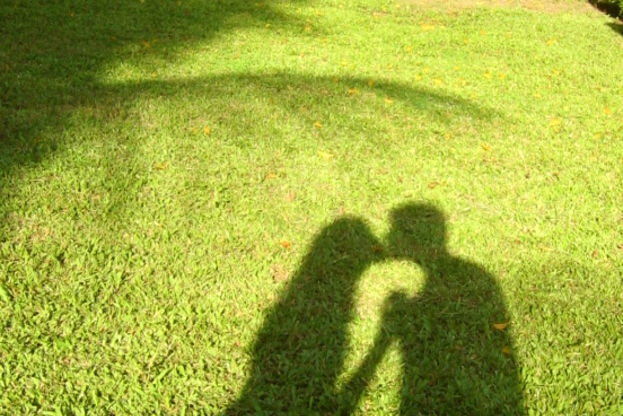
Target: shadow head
[[417, 232]]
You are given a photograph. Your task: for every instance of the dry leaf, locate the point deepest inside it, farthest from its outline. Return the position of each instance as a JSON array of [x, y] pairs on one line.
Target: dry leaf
[[279, 273], [325, 155], [433, 185], [501, 326], [318, 125], [506, 351], [271, 175], [206, 130], [161, 166], [285, 244]]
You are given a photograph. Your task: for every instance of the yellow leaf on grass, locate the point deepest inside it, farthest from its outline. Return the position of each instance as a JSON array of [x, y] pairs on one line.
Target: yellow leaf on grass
[[551, 42], [555, 122], [161, 166], [486, 147], [285, 244], [318, 124], [501, 326], [206, 130], [388, 100], [325, 155], [506, 351], [353, 91]]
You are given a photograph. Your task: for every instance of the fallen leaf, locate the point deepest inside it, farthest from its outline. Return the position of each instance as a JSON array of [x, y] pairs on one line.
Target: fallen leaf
[[353, 91], [501, 326], [433, 185], [486, 147], [206, 130], [325, 155], [279, 273], [271, 175], [161, 166], [318, 124], [388, 100], [285, 244], [506, 351], [377, 248]]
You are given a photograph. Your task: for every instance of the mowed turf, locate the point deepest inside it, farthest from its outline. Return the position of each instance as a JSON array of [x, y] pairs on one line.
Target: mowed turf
[[363, 207]]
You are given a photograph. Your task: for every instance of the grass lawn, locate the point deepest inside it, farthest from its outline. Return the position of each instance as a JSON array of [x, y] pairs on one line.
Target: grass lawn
[[328, 207]]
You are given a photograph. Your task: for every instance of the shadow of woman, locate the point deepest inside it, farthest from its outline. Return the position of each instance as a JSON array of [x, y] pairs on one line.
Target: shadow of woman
[[300, 349], [454, 361]]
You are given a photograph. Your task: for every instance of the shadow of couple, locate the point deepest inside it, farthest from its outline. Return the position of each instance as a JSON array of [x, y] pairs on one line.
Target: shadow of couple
[[453, 360]]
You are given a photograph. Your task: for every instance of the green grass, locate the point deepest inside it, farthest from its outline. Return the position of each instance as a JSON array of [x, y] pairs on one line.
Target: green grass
[[225, 206]]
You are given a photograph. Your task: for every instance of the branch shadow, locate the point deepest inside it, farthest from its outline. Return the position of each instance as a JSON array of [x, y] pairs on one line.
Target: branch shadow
[[453, 361]]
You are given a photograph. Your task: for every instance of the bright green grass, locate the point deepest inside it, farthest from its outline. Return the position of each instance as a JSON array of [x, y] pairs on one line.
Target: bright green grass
[[165, 168]]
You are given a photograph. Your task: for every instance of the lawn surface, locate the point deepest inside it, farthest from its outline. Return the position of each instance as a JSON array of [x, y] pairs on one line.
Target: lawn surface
[[365, 207]]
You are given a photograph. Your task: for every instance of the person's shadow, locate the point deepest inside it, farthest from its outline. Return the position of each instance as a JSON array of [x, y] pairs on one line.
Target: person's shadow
[[457, 357], [454, 361], [300, 349]]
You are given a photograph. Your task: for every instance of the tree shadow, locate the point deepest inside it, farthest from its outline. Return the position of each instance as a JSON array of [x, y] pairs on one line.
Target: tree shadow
[[453, 359], [52, 57], [610, 8], [617, 27]]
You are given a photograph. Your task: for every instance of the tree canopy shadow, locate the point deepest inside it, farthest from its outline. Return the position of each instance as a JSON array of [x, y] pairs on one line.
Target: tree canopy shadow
[[453, 360], [52, 55], [617, 27]]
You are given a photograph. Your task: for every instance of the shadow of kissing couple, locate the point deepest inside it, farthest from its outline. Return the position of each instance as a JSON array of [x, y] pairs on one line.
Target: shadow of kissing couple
[[453, 361]]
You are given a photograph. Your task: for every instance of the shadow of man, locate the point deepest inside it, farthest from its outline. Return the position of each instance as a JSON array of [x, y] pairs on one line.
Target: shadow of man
[[300, 349], [454, 361]]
